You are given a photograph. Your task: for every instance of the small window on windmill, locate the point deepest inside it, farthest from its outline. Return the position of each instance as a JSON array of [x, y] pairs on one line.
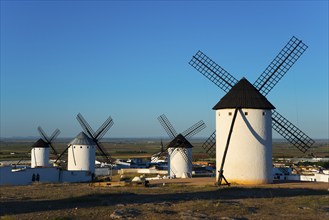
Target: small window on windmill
[[73, 146], [80, 146], [263, 113], [246, 113], [218, 114], [230, 113], [87, 146]]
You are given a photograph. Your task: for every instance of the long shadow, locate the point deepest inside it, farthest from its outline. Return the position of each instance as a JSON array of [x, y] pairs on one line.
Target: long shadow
[[112, 199]]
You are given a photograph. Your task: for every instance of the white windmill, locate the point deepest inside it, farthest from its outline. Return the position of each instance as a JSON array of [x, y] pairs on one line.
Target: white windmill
[[180, 157], [82, 149], [81, 153], [244, 119], [40, 149], [40, 154], [179, 149], [250, 113]]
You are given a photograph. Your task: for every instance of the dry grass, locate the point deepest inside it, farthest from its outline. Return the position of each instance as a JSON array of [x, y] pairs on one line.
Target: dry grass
[[172, 201]]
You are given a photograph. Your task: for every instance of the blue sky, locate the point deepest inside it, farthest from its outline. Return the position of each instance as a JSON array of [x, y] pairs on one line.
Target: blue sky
[[129, 59]]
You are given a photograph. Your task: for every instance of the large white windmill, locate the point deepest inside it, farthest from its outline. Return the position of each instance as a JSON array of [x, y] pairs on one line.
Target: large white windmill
[[244, 118]]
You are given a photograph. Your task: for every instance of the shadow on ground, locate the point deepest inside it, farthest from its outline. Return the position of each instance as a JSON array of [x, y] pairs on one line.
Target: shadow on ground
[[112, 199]]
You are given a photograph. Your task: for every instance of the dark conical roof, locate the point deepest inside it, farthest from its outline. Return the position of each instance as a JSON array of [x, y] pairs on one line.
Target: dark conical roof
[[243, 95], [180, 142], [82, 139], [40, 144]]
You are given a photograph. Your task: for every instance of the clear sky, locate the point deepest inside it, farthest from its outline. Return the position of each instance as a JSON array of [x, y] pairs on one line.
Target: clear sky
[[129, 59]]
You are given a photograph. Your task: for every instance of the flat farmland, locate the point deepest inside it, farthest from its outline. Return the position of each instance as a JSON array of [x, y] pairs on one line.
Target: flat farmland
[[16, 149]]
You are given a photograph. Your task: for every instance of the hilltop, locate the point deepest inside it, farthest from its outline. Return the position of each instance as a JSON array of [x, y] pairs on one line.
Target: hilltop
[[169, 201]]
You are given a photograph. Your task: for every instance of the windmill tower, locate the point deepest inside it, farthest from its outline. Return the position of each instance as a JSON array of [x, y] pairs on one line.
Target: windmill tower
[[244, 118], [82, 149], [179, 149], [180, 157], [81, 153], [248, 112], [40, 149], [40, 154]]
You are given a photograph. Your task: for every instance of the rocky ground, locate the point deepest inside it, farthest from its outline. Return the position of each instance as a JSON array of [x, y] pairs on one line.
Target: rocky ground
[[196, 198]]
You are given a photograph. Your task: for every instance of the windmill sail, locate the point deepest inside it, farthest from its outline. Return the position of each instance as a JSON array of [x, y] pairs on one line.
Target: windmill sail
[[210, 145], [194, 129], [280, 65], [290, 132], [264, 84], [179, 149], [213, 71], [50, 139], [167, 126]]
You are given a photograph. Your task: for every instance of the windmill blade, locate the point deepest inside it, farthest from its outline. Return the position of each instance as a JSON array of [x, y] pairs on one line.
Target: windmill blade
[[290, 132], [104, 152], [59, 157], [158, 154], [104, 128], [167, 126], [210, 145], [43, 134], [164, 149], [85, 126], [52, 147], [25, 156], [280, 65], [54, 151], [54, 135], [49, 140], [213, 71], [194, 129]]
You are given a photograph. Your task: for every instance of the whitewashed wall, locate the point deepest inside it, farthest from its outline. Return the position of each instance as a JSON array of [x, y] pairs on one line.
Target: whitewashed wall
[[40, 157], [180, 162], [75, 176], [81, 157], [46, 175], [249, 156], [24, 176]]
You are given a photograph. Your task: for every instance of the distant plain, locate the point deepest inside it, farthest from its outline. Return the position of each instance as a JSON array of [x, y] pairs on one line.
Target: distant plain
[[15, 149]]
